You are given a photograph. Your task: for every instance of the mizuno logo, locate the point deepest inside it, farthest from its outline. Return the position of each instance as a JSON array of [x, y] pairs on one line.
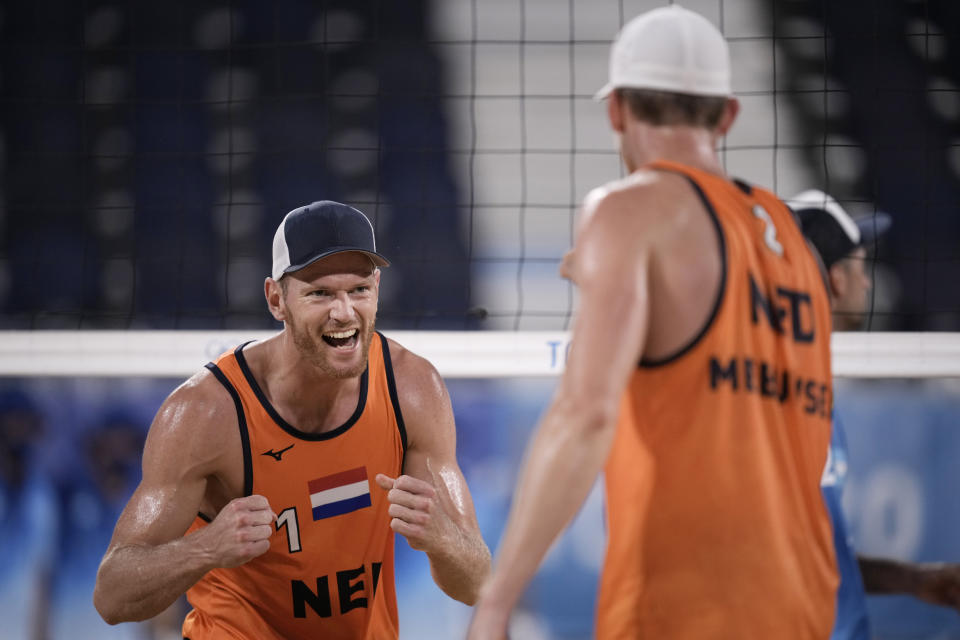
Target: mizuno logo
[[276, 454]]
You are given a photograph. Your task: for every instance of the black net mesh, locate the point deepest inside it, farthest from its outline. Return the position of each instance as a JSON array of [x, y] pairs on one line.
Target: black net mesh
[[149, 150]]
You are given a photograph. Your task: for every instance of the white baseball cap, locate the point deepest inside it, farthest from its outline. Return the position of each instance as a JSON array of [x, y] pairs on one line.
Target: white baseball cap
[[670, 49]]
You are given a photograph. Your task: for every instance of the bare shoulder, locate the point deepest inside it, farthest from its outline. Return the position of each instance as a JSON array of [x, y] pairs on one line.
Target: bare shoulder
[[619, 220], [418, 381], [193, 424], [422, 394], [645, 200], [200, 398]]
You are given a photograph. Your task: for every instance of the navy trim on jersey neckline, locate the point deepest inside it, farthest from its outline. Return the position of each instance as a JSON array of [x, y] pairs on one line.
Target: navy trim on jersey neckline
[[394, 397], [744, 186], [242, 424], [286, 426], [722, 242]]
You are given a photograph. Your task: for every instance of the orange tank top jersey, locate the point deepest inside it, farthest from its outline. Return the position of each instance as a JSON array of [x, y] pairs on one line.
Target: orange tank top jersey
[[716, 524], [329, 570]]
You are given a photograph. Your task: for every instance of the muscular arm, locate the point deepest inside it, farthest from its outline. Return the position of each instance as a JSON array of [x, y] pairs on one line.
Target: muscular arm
[[431, 504], [574, 437], [936, 583], [149, 563]]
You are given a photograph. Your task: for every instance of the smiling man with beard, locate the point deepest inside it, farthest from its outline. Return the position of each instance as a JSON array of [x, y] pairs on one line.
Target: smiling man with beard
[[273, 480]]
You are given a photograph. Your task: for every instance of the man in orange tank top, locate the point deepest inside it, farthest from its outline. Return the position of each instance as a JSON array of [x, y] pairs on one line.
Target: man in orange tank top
[[274, 479], [698, 377]]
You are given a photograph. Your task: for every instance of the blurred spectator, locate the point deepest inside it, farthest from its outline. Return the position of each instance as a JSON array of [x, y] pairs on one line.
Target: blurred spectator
[[91, 496], [27, 520]]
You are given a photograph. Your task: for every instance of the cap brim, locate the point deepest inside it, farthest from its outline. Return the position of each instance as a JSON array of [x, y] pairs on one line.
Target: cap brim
[[610, 87], [604, 92], [376, 258], [873, 225]]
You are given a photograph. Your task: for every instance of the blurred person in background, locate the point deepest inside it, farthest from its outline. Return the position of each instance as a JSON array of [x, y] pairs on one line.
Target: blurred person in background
[[843, 242], [698, 377], [92, 492], [28, 520]]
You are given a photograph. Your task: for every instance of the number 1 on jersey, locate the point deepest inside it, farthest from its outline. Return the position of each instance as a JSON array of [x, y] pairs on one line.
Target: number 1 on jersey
[[288, 518]]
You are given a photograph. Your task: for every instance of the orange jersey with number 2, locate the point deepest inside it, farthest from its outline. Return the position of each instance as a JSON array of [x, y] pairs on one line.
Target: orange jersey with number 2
[[717, 527]]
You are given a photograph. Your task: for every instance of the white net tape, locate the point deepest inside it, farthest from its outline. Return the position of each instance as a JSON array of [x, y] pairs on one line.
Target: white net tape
[[486, 354]]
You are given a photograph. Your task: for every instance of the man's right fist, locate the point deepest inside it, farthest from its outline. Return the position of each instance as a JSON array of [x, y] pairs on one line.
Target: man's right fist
[[241, 531]]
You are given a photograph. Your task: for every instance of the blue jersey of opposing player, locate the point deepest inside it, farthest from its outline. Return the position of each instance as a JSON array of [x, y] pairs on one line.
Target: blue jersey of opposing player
[[852, 622]]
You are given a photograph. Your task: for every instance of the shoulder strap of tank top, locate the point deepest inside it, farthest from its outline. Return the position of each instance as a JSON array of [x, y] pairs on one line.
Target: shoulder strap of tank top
[[392, 388], [681, 170], [241, 425]]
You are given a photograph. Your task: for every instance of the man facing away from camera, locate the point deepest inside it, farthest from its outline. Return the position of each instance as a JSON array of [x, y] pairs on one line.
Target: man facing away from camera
[[274, 479], [698, 377], [842, 243]]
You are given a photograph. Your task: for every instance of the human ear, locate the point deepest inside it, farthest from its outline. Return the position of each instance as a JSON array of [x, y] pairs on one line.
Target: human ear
[[838, 280], [730, 112], [615, 109], [273, 292]]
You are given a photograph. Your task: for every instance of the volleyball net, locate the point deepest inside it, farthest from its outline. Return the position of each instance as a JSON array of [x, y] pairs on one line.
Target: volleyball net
[[466, 130], [143, 181]]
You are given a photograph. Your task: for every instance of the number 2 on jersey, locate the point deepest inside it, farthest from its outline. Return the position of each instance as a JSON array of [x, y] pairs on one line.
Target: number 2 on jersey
[[770, 231]]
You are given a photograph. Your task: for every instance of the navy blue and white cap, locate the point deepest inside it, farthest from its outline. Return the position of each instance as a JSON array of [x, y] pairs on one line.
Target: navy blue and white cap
[[831, 229], [318, 230]]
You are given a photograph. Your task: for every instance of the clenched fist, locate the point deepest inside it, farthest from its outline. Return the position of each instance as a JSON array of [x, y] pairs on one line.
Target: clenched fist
[[240, 532], [420, 512]]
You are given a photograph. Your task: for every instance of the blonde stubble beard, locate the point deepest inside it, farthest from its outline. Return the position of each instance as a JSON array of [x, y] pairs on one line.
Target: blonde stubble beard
[[310, 350]]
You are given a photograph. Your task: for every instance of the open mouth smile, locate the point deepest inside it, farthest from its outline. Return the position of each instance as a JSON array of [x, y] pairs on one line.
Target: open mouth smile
[[342, 339]]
